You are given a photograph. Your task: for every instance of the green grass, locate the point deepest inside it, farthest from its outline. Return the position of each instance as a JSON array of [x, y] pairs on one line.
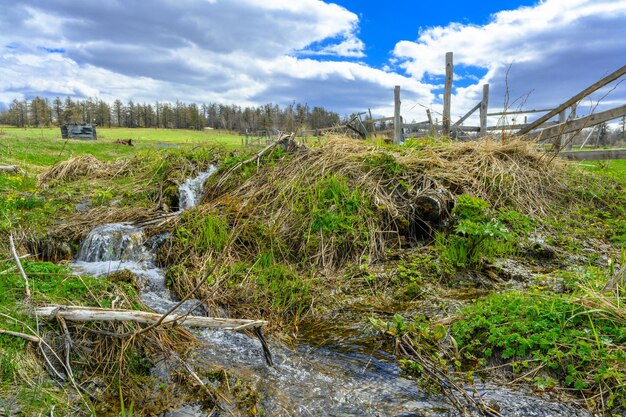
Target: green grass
[[477, 236], [49, 284], [33, 149], [551, 340], [616, 169]]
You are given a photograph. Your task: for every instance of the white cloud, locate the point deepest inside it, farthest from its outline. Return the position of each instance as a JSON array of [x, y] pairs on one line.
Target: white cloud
[[237, 51], [249, 52], [554, 50]]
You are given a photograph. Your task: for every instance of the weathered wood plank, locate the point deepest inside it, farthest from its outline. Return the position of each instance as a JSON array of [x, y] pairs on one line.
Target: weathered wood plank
[[465, 129], [516, 127], [506, 113], [447, 94], [431, 125], [9, 168], [466, 115], [598, 155], [595, 86], [74, 313], [382, 119], [484, 105], [397, 121], [580, 123]]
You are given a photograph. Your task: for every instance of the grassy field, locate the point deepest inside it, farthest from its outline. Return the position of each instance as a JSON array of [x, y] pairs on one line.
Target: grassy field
[[33, 149]]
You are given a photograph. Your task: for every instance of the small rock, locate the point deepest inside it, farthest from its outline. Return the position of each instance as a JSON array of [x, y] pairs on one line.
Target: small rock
[[83, 207], [540, 249]]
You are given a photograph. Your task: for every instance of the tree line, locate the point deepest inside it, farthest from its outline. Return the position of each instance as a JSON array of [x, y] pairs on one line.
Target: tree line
[[42, 112]]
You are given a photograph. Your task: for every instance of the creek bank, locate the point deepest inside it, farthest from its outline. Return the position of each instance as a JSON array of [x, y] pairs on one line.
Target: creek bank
[[280, 229]]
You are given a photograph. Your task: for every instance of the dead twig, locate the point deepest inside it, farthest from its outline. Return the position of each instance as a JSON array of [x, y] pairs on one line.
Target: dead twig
[[19, 267], [29, 337]]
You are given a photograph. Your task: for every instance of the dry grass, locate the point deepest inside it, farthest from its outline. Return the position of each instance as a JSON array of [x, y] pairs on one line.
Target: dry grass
[[82, 223], [370, 198], [392, 181], [512, 174], [85, 166]]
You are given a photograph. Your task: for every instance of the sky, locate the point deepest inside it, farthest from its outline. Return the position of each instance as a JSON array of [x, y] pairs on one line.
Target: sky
[[345, 55]]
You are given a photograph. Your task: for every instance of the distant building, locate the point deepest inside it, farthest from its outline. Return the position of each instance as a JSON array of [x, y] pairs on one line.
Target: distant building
[[75, 131]]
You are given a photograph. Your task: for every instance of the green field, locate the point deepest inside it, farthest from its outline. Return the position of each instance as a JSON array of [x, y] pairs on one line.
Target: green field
[[34, 148]]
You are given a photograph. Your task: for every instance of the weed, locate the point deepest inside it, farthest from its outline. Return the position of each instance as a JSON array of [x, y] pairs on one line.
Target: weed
[[477, 235], [582, 348], [386, 163]]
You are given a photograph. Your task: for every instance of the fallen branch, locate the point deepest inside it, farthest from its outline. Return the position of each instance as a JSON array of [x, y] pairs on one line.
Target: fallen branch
[[9, 168], [19, 266], [74, 313], [29, 337]]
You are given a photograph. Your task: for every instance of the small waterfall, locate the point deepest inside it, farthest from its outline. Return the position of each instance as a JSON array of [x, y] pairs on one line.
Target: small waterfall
[[116, 247], [112, 242], [190, 191]]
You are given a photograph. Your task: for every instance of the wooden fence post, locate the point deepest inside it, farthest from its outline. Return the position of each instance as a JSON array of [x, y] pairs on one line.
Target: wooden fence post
[[431, 125], [397, 121], [559, 140], [447, 94], [484, 106], [569, 138]]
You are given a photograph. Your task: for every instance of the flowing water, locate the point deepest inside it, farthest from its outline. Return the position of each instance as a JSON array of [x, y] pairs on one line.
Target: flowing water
[[336, 369], [190, 192]]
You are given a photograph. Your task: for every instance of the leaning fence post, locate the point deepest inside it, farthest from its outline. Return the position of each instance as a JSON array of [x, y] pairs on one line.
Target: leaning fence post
[[431, 125], [397, 122], [484, 105], [447, 94], [569, 138], [559, 140]]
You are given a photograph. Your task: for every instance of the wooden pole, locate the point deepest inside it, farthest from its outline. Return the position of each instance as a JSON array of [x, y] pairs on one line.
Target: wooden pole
[[447, 94], [484, 106], [373, 124], [611, 77], [19, 267], [569, 138], [397, 122], [560, 140]]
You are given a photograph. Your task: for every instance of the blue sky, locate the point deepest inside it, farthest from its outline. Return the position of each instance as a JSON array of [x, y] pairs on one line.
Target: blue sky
[[345, 55], [381, 27]]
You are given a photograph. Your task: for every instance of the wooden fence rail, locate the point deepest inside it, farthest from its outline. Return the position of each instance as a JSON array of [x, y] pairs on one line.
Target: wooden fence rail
[[562, 131]]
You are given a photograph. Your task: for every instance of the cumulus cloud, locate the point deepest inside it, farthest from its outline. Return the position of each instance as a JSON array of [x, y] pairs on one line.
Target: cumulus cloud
[[249, 53], [545, 53], [236, 51]]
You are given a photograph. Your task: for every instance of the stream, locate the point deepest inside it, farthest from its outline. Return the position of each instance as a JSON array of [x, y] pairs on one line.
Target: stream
[[335, 372]]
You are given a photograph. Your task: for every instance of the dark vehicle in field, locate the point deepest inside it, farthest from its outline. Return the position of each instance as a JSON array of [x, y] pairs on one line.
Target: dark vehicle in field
[[76, 131]]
